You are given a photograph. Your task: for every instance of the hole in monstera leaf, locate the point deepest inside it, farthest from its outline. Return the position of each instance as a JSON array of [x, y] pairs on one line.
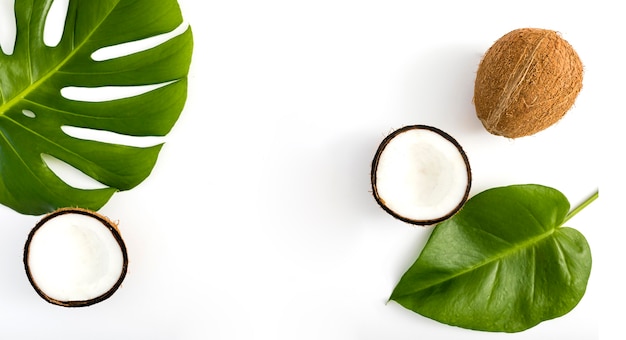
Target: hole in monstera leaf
[[7, 26], [131, 47], [104, 136], [71, 175], [29, 113], [55, 23], [108, 93]]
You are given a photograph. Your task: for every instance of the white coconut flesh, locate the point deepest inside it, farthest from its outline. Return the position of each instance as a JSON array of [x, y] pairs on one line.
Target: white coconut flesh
[[421, 175], [75, 258]]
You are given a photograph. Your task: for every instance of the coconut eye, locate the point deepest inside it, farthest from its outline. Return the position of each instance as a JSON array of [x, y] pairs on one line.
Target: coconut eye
[[420, 175]]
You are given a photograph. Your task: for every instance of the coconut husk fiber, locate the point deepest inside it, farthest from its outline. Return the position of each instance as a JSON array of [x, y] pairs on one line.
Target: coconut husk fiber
[[526, 82]]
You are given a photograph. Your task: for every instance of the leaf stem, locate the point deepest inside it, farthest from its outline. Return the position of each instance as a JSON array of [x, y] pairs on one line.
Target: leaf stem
[[582, 206]]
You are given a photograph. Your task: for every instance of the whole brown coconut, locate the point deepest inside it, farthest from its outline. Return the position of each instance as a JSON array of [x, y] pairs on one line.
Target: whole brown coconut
[[526, 82]]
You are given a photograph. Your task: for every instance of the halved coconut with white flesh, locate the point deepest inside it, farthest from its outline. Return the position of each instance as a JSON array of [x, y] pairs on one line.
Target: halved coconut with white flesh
[[420, 175], [75, 257]]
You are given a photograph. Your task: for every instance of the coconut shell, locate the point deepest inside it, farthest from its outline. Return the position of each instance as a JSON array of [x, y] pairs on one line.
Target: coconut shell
[[416, 149], [112, 226], [526, 82]]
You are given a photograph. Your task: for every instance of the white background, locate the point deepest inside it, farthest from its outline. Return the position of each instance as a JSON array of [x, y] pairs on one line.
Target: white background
[[258, 221]]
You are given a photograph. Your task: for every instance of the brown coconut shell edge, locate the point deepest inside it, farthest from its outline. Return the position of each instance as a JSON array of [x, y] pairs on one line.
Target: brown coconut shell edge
[[374, 167], [114, 231]]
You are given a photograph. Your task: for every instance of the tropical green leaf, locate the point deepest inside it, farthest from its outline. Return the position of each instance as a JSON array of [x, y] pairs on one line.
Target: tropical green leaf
[[34, 113], [504, 263]]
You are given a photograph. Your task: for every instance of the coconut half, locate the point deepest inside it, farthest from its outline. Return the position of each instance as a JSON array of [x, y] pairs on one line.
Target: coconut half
[[75, 257], [420, 175]]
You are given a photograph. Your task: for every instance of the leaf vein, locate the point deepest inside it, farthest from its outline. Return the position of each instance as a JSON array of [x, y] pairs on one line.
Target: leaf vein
[[494, 283], [35, 133], [533, 273], [527, 243], [75, 48], [563, 258], [69, 113], [19, 157]]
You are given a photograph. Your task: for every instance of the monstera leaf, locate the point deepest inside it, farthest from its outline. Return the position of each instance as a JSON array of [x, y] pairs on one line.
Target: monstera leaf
[[34, 115], [504, 263]]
